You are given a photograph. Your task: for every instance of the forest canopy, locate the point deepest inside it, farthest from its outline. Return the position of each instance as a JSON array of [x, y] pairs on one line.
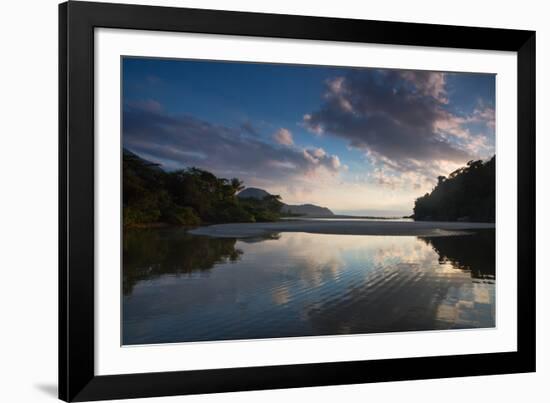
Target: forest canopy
[[188, 197], [467, 194]]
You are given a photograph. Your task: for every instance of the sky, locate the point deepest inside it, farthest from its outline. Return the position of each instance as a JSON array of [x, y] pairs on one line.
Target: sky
[[360, 141]]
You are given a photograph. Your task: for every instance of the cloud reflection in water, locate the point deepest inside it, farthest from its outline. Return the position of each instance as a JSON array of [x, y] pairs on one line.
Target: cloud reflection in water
[[186, 288]]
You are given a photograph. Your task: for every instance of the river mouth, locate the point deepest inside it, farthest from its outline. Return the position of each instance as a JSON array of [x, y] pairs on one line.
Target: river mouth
[[180, 287]]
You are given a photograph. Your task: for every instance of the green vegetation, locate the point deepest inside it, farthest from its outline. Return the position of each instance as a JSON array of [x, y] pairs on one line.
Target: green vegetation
[[186, 197], [467, 194]]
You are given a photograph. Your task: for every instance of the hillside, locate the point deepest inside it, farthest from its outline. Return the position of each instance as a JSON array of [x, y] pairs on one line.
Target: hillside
[[467, 194], [310, 210], [187, 197], [306, 210], [253, 193]]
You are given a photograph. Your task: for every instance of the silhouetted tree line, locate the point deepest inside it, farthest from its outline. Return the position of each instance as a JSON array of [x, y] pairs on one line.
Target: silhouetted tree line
[[467, 194], [186, 197]]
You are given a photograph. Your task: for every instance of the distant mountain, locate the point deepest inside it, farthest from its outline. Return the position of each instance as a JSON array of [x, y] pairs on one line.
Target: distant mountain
[[303, 209], [253, 193], [306, 210]]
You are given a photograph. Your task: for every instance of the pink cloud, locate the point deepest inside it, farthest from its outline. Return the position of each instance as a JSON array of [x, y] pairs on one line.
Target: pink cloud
[[284, 137]]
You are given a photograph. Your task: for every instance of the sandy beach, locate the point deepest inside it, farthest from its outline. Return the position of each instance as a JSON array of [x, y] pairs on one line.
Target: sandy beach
[[341, 227]]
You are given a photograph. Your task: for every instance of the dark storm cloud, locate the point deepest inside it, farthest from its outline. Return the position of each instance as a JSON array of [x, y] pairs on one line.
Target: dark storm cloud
[[391, 115], [184, 141]]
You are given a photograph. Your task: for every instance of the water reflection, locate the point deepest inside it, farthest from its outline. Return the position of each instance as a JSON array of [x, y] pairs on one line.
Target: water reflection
[[475, 254], [180, 287], [148, 254]]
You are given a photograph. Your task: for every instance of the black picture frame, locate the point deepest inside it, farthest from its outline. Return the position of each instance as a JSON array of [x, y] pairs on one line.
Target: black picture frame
[[77, 379]]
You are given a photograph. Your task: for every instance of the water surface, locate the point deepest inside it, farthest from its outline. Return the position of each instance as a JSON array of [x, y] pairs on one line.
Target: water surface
[[179, 287], [344, 218]]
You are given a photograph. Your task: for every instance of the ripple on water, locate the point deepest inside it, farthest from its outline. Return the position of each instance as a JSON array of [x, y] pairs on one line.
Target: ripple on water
[[180, 287]]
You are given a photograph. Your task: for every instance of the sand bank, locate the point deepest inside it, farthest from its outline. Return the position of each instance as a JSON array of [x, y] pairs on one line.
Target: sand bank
[[337, 227]]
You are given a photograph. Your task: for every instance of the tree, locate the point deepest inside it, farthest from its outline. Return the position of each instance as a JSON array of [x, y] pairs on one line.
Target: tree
[[467, 194], [187, 197]]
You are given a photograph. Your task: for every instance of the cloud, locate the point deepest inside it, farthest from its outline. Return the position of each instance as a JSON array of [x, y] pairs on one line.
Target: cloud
[[428, 83], [183, 141], [319, 153], [399, 119], [283, 137], [311, 125], [485, 115], [335, 162], [319, 157], [249, 128], [148, 105]]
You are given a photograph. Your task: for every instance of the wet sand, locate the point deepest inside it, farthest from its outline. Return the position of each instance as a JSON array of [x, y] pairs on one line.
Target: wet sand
[[341, 227]]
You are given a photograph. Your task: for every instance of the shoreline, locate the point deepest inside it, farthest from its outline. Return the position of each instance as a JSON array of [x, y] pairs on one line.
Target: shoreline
[[340, 227]]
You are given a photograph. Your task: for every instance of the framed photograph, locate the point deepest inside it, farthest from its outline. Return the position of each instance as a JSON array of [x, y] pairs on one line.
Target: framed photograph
[[256, 201]]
